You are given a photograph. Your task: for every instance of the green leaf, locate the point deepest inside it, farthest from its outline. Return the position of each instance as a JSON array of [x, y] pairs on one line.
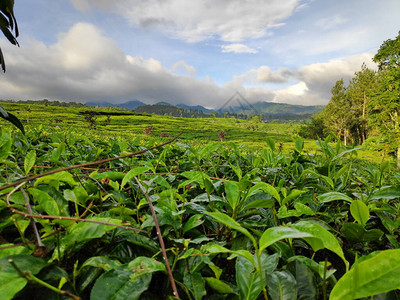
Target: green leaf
[[329, 241], [232, 191], [247, 280], [110, 174], [274, 234], [196, 284], [259, 203], [29, 161], [271, 144], [228, 221], [357, 233], [10, 281], [294, 194], [379, 274], [62, 176], [78, 195], [11, 118], [140, 240], [102, 262], [299, 144], [282, 285], [219, 286], [306, 284], [45, 201], [193, 222], [360, 212], [332, 196], [128, 281], [131, 174], [82, 232], [386, 193]]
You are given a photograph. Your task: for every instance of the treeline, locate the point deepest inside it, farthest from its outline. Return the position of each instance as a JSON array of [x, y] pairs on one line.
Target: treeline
[[368, 108]]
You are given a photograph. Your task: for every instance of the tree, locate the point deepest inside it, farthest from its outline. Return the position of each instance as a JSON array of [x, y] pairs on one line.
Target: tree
[[336, 114], [358, 94], [385, 99], [8, 24]]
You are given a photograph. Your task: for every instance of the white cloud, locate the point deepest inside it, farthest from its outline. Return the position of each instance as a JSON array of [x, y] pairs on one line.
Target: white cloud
[[193, 21], [84, 65], [182, 67], [264, 74], [237, 48]]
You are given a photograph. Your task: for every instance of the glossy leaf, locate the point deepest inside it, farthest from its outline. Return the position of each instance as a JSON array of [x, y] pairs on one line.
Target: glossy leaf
[[357, 233], [196, 284], [29, 161], [228, 221], [332, 196], [193, 222], [45, 201], [274, 234], [386, 193], [83, 232], [219, 286], [128, 281], [379, 274], [360, 212], [325, 239], [11, 282], [131, 174], [282, 285], [248, 281], [232, 191]]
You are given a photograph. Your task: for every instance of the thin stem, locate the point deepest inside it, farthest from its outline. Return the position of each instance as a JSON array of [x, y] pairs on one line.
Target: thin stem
[[33, 223], [60, 217], [160, 239], [30, 277], [78, 166]]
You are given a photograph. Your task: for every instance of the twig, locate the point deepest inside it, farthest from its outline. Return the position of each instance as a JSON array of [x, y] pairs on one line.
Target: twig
[[35, 230], [98, 162], [160, 239], [27, 215], [30, 277]]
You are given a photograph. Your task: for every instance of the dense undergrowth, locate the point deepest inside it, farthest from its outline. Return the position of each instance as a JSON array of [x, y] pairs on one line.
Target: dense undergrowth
[[237, 224]]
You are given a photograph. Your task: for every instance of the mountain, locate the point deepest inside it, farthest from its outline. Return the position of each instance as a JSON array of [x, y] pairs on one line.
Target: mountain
[[133, 104], [128, 105], [195, 107], [269, 108], [163, 103], [102, 104]]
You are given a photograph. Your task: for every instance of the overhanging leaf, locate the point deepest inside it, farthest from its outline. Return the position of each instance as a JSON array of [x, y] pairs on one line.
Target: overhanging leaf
[[379, 274]]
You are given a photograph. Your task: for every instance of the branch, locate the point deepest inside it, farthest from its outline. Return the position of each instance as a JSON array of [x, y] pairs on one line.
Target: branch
[[160, 239], [78, 166], [28, 215]]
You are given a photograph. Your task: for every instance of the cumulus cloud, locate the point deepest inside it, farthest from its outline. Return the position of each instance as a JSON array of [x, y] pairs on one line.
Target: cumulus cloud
[[182, 67], [264, 74], [238, 48], [193, 21], [310, 84], [84, 65]]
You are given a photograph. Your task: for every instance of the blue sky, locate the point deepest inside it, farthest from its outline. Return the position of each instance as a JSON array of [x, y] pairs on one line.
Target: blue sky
[[194, 52]]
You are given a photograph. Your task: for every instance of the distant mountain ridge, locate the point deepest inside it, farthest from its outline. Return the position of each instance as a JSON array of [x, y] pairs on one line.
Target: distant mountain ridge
[[261, 107], [133, 104]]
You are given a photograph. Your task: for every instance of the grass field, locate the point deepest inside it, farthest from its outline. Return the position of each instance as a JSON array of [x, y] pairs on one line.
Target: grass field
[[196, 131]]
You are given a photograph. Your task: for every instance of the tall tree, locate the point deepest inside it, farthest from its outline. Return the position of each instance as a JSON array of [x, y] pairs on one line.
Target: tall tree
[[358, 94], [336, 114], [385, 100]]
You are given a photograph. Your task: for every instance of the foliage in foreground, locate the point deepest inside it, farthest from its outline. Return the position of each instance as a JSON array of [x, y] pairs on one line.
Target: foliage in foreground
[[236, 224]]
